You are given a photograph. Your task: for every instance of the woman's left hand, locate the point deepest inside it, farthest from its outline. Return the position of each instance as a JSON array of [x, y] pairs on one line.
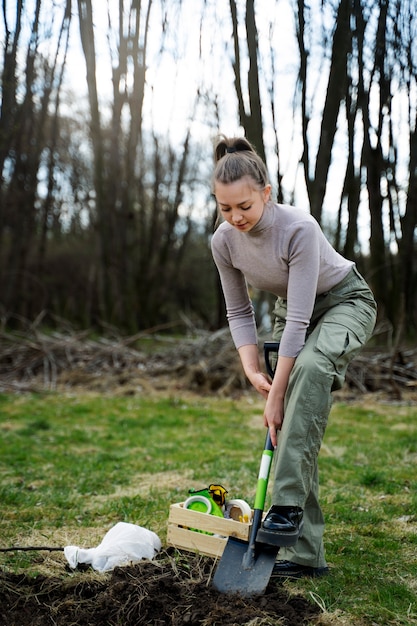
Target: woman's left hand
[[274, 416], [274, 407]]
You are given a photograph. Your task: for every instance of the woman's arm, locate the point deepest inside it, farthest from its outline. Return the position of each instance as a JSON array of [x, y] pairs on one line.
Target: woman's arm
[[249, 357], [273, 393], [274, 407]]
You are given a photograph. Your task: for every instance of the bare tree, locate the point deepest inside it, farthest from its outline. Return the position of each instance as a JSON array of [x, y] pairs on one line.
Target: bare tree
[[139, 179], [371, 62], [352, 112], [404, 45], [85, 13], [335, 92], [250, 114], [372, 157], [29, 94]]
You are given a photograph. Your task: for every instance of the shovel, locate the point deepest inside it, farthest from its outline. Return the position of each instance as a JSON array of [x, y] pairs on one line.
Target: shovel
[[246, 567]]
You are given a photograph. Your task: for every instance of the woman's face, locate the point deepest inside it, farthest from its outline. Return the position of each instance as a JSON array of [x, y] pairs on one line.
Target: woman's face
[[240, 204]]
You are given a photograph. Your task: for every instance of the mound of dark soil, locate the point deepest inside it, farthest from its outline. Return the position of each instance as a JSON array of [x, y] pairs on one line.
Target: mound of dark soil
[[174, 589]]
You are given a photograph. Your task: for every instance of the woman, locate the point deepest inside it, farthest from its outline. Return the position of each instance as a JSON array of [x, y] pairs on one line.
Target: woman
[[324, 314]]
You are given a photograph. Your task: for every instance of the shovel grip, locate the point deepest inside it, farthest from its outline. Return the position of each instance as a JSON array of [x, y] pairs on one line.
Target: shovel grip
[[271, 350]]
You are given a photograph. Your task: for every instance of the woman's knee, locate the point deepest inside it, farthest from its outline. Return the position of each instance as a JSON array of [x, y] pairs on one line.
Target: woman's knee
[[310, 362]]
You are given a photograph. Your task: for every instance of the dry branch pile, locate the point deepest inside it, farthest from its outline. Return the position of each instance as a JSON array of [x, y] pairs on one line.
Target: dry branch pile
[[35, 361], [390, 372]]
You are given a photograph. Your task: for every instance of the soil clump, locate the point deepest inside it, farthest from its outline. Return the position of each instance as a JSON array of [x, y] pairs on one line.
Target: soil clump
[[173, 589]]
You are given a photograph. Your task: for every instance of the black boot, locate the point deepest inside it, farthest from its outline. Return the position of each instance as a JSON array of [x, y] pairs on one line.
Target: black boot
[[288, 569], [282, 526]]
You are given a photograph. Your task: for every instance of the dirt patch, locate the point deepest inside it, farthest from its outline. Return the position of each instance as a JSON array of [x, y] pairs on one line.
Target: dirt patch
[[174, 589]]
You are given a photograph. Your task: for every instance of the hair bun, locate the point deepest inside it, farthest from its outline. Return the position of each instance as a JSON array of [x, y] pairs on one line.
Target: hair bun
[[230, 145]]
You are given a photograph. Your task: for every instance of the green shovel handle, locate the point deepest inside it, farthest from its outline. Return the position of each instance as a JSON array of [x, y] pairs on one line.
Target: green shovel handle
[[270, 347], [261, 488]]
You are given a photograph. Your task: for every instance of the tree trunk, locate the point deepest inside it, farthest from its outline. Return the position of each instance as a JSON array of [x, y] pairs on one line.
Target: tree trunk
[[373, 162], [250, 119], [407, 248], [104, 216], [351, 186], [336, 89], [20, 201]]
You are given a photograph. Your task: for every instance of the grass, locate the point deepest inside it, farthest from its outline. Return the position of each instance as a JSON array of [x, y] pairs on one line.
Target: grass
[[71, 466]]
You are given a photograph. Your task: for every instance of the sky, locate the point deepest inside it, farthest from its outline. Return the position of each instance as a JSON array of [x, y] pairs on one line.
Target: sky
[[190, 61], [174, 77]]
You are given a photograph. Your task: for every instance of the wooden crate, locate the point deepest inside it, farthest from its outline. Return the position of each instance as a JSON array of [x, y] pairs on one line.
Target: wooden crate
[[179, 535]]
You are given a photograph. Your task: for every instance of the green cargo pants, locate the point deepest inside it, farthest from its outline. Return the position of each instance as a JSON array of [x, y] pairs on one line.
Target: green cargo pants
[[343, 320]]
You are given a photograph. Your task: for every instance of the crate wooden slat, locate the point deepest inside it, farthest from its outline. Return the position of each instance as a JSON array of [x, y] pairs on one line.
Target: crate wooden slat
[[179, 535]]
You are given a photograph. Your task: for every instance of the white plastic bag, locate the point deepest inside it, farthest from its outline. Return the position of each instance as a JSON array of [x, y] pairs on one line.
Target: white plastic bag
[[123, 544]]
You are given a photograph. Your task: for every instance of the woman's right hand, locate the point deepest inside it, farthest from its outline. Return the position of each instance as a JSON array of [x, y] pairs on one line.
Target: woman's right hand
[[249, 357], [261, 383]]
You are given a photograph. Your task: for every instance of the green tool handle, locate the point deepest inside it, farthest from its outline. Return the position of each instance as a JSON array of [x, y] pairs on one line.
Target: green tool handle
[[267, 454], [261, 488]]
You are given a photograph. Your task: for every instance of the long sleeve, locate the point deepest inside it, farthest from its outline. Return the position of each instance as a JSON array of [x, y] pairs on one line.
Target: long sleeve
[[286, 254], [239, 309]]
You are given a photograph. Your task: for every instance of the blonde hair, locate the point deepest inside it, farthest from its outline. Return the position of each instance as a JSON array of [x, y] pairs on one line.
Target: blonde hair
[[235, 158]]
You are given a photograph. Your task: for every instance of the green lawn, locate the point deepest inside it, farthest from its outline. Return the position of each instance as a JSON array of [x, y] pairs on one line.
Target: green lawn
[[71, 466]]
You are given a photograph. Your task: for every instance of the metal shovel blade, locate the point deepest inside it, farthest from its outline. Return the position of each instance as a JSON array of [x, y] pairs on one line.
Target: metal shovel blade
[[243, 570]]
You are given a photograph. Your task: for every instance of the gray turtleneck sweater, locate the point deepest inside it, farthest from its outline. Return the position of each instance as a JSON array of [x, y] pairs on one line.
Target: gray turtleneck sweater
[[285, 253]]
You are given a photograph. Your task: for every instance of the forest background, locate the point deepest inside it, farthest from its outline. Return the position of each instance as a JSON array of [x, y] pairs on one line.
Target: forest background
[[108, 115]]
